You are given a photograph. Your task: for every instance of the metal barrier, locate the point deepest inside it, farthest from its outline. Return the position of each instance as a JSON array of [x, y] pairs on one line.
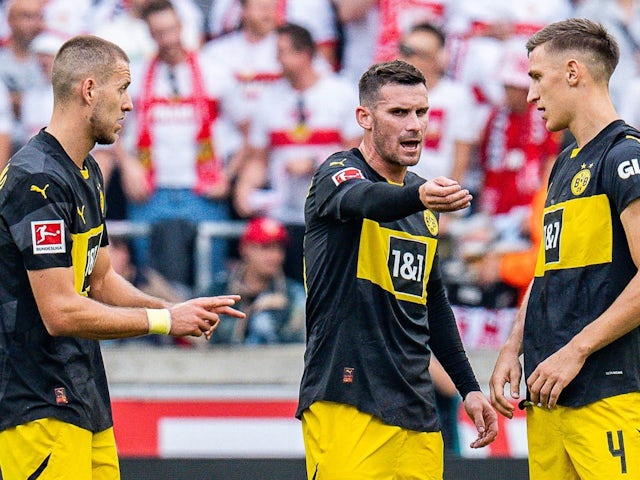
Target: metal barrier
[[202, 256]]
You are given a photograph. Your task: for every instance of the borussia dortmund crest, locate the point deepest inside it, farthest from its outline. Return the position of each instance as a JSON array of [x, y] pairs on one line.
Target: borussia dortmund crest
[[431, 222], [581, 179]]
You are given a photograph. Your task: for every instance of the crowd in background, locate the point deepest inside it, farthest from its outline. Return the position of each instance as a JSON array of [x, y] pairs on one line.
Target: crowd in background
[[238, 101]]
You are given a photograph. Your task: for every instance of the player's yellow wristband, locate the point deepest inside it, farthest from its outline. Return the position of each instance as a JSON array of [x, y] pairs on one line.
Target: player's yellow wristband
[[159, 320]]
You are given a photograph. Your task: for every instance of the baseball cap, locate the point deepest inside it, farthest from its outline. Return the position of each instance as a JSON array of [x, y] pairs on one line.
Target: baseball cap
[[514, 71], [264, 230]]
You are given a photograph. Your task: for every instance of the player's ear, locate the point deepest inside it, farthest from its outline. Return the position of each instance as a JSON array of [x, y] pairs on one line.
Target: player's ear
[[88, 88], [573, 71], [363, 117]]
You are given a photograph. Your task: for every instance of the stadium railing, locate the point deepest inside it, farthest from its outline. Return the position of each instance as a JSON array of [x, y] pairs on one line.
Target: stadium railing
[[206, 231]]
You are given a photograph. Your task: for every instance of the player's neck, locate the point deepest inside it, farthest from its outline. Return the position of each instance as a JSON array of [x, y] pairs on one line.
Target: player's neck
[[394, 173], [71, 139], [587, 124]]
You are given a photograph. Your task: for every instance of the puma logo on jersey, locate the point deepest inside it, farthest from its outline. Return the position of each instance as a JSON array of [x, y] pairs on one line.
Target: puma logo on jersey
[[628, 168], [81, 213], [41, 191], [338, 163]]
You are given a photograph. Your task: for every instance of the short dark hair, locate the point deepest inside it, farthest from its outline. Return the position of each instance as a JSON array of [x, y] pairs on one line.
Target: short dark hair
[[155, 6], [79, 57], [301, 38], [581, 35], [381, 74], [427, 27]]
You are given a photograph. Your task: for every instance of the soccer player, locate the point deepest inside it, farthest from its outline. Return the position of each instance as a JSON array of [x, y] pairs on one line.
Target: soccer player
[[59, 294], [579, 328], [376, 305]]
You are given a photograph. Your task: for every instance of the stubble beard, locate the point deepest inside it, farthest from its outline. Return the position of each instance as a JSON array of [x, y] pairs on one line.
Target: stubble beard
[[391, 155], [100, 131]]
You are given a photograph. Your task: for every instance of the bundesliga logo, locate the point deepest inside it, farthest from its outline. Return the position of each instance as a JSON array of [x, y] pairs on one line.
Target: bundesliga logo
[[48, 237]]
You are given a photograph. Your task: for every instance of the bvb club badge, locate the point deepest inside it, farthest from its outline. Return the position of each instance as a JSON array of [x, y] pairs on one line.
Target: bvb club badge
[[581, 179], [431, 222]]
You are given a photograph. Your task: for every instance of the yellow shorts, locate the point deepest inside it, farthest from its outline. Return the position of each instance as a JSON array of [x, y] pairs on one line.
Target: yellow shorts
[[595, 442], [344, 443], [51, 449]]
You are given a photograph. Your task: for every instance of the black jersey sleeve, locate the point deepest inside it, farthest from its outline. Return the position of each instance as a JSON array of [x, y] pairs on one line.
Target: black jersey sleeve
[[38, 215], [382, 202], [445, 342], [621, 176], [346, 187]]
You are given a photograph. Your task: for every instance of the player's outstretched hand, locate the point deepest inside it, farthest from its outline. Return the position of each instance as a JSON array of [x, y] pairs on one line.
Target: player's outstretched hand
[[442, 194], [484, 418], [200, 316], [507, 370]]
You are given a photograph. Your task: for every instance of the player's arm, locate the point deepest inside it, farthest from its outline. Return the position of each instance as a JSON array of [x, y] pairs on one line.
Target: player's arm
[[553, 374], [67, 313], [508, 368], [385, 202], [447, 346], [109, 287]]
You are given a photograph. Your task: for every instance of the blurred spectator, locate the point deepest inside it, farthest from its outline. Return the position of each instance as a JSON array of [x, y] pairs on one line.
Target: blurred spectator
[[225, 16], [317, 16], [126, 28], [516, 268], [6, 126], [305, 118], [121, 22], [478, 31], [516, 152], [629, 109], [68, 18], [514, 149], [18, 64], [360, 23], [453, 130], [147, 280], [622, 19], [398, 17], [253, 63], [37, 98], [178, 98], [274, 304]]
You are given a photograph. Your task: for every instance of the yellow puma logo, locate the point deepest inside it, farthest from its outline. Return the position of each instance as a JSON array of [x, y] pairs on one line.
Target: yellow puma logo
[[81, 213], [338, 163], [41, 191]]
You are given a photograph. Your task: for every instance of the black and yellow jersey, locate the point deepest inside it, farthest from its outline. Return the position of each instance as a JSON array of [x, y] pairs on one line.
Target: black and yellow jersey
[[370, 256], [51, 215], [584, 262]]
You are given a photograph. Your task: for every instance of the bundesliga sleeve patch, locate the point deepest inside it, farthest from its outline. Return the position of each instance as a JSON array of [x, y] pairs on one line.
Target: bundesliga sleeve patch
[[48, 237], [345, 174]]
